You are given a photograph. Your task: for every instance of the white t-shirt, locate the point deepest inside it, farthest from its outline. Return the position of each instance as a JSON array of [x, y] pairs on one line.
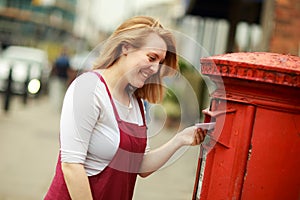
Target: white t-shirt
[[89, 131]]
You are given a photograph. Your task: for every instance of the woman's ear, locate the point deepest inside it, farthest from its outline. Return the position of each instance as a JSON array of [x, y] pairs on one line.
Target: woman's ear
[[126, 48]]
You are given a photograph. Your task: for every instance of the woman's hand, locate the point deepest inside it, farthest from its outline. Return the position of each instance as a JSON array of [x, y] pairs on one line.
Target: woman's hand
[[156, 158], [191, 136]]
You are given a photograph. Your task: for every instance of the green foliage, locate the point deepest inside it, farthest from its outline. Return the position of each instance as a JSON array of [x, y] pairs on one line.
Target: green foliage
[[199, 87], [185, 67]]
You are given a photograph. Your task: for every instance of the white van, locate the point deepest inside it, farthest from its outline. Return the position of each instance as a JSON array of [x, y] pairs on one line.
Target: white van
[[30, 69]]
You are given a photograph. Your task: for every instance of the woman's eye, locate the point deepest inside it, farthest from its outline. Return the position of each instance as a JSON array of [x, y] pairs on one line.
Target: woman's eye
[[151, 58]]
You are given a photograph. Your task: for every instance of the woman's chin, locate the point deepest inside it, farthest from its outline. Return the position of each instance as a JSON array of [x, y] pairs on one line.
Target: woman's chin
[[138, 85]]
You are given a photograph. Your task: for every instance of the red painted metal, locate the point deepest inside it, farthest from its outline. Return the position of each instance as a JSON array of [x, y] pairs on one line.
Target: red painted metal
[[257, 134], [258, 66]]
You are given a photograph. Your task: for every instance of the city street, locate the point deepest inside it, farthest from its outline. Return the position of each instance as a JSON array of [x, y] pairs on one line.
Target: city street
[[29, 147]]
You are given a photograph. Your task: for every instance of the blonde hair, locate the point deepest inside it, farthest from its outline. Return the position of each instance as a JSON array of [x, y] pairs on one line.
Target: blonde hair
[[134, 31]]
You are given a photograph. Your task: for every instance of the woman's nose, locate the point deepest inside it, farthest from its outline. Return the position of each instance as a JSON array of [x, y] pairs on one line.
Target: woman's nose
[[155, 67]]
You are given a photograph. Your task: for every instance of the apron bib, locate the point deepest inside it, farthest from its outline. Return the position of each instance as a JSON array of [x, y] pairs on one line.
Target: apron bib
[[117, 180]]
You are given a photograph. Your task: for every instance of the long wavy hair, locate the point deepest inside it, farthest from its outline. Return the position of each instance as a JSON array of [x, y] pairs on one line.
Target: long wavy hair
[[134, 31]]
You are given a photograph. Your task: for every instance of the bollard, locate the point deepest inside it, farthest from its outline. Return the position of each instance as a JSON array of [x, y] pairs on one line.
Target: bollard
[[8, 91]]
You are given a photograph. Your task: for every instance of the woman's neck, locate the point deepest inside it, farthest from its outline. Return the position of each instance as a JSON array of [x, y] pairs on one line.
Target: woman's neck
[[117, 85]]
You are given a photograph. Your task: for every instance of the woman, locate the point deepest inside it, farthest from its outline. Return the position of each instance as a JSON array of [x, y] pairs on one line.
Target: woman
[[103, 131]]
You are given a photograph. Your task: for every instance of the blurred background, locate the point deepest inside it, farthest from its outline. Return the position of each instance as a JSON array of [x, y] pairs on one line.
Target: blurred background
[[45, 44]]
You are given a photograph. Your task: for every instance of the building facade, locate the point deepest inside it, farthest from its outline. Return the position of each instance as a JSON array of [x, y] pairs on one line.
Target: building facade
[[30, 22]]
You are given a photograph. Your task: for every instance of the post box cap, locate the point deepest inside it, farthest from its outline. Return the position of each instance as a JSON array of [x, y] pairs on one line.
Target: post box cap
[[258, 66]]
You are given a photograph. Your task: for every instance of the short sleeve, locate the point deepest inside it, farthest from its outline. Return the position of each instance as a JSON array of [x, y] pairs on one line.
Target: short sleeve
[[80, 113]]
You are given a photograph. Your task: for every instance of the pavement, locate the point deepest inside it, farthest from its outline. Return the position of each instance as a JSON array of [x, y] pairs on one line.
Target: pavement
[[29, 148]]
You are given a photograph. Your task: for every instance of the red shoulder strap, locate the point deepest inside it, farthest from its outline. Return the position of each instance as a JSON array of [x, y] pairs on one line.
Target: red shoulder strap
[[113, 104], [110, 97]]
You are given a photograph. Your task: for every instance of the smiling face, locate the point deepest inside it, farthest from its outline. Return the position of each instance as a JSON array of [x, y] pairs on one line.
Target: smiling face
[[127, 57], [142, 63]]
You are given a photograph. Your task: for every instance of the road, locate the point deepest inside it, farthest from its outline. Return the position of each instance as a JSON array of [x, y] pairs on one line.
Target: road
[[29, 147]]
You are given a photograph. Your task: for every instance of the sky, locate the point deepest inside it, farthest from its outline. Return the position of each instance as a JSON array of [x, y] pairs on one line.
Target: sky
[[109, 13]]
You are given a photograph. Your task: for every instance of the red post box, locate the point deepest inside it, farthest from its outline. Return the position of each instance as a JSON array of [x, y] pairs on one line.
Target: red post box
[[256, 107]]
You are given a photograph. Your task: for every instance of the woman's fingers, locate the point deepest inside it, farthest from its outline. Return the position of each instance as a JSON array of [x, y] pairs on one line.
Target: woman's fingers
[[192, 136], [201, 133], [199, 136]]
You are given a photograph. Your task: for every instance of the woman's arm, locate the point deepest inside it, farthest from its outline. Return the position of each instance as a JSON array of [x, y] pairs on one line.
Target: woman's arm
[[156, 158], [80, 113], [77, 181]]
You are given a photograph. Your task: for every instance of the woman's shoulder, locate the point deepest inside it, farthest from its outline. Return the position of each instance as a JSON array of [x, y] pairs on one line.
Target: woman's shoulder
[[87, 82], [87, 75], [87, 87]]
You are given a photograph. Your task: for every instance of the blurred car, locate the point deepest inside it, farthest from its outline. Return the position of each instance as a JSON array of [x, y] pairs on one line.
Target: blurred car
[[30, 69]]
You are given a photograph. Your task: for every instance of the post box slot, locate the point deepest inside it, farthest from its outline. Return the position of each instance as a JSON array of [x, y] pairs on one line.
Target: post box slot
[[224, 120]]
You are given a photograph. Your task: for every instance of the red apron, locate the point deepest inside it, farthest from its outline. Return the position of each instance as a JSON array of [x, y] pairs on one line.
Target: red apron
[[117, 180]]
